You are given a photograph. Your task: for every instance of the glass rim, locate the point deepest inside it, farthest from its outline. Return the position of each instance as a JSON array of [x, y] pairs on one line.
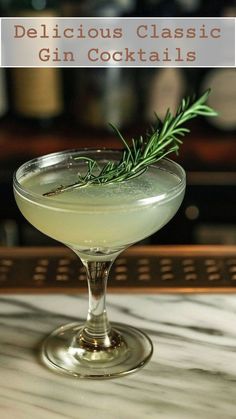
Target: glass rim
[[47, 200]]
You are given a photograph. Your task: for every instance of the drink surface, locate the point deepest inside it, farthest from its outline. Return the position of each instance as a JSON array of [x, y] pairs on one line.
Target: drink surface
[[153, 183], [101, 217]]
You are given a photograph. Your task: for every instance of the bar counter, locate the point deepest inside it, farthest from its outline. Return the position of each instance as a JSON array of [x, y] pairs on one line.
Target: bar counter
[[192, 372]]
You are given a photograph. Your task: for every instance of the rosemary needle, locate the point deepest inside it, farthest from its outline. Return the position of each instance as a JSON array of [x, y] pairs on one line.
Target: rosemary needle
[[163, 139]]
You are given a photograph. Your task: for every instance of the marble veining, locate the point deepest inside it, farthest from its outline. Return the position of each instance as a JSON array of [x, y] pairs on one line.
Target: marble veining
[[192, 372]]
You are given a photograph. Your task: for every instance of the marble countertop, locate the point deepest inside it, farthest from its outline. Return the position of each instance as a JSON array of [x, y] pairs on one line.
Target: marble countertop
[[192, 372]]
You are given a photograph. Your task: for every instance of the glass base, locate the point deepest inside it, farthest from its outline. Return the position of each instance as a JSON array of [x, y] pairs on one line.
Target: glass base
[[65, 353]]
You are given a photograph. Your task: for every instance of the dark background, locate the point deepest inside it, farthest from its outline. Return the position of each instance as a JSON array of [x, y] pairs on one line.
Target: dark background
[[47, 110]]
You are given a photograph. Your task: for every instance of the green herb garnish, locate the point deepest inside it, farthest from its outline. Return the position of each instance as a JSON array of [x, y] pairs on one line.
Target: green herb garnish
[[163, 139]]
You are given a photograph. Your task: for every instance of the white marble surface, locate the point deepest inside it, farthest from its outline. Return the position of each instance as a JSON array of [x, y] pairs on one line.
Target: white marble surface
[[192, 373]]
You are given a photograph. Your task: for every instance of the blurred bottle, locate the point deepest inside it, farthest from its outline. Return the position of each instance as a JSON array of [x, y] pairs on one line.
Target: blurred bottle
[[166, 88], [105, 95], [161, 88], [222, 82], [101, 95], [9, 233], [36, 93]]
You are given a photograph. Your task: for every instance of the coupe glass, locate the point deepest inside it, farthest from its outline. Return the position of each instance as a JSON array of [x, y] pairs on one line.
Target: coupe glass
[[97, 222]]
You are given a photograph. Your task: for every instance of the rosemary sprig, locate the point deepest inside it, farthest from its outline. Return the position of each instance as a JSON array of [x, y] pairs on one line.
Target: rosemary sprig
[[163, 139]]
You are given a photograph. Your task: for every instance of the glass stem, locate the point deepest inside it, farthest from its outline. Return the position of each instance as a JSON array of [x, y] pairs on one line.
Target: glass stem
[[97, 333]]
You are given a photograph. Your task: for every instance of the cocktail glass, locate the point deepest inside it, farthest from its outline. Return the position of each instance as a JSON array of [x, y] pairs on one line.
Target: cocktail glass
[[97, 222]]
